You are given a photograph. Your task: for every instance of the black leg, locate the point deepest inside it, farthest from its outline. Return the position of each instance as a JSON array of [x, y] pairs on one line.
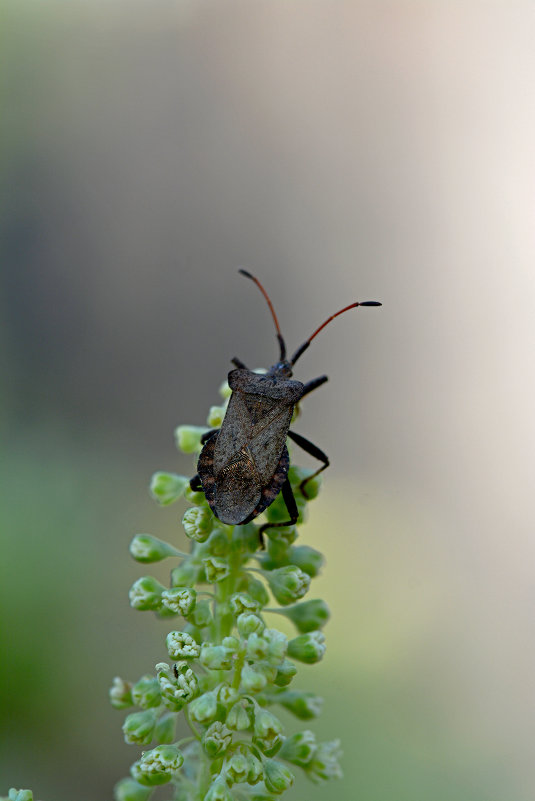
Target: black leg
[[293, 511], [313, 450], [207, 434], [314, 384], [195, 483], [237, 363]]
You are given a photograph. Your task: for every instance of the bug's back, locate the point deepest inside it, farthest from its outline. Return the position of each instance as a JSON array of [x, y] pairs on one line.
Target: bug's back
[[250, 441]]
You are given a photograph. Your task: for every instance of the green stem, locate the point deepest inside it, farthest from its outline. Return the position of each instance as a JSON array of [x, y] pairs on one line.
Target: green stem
[[240, 661], [196, 734]]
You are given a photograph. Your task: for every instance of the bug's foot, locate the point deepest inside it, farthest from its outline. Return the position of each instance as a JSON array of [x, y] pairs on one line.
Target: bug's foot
[[302, 489]]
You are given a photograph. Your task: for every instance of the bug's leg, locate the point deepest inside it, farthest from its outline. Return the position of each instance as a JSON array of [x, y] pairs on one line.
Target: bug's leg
[[208, 434], [195, 483], [238, 363], [314, 384], [313, 450], [293, 511]]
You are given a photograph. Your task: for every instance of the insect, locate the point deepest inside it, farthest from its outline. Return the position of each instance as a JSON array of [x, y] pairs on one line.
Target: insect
[[244, 464]]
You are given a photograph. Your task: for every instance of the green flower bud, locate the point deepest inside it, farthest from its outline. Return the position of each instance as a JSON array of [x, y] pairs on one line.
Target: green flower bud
[[215, 416], [218, 791], [217, 544], [225, 391], [202, 615], [20, 795], [139, 776], [325, 762], [308, 648], [204, 708], [130, 790], [288, 584], [146, 692], [146, 548], [177, 687], [256, 770], [269, 671], [256, 590], [285, 673], [138, 727], [307, 558], [299, 748], [179, 600], [186, 574], [266, 724], [238, 717], [304, 705], [240, 765], [216, 657], [216, 739], [268, 731], [146, 593], [227, 695], [157, 766], [121, 694], [276, 556], [277, 645], [241, 603], [269, 747], [256, 647], [244, 539], [309, 615], [188, 438], [252, 680], [283, 536], [164, 731], [198, 523], [196, 498], [216, 568], [277, 777], [182, 646], [166, 488], [249, 624]]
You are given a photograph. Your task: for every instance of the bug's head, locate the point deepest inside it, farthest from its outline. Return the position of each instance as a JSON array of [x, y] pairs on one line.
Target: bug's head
[[283, 368]]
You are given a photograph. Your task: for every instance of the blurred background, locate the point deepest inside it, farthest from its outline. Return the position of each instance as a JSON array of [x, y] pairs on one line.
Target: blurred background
[[339, 151]]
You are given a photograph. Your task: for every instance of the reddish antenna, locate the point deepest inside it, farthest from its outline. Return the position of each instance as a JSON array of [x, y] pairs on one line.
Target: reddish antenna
[[299, 352], [272, 310]]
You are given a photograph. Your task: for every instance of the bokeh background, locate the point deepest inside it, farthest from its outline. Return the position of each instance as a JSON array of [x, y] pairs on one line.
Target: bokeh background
[[338, 150]]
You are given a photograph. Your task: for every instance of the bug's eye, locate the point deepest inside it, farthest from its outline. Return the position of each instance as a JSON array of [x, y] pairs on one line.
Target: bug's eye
[[284, 369]]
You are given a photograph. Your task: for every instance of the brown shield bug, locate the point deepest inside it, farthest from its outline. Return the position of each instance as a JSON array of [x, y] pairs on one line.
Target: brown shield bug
[[244, 464]]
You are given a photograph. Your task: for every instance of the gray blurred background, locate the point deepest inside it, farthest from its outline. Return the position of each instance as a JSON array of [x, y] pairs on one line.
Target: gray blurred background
[[339, 151]]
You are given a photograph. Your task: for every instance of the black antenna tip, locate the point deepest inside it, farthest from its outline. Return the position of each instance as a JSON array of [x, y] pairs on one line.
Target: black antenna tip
[[244, 272], [370, 303]]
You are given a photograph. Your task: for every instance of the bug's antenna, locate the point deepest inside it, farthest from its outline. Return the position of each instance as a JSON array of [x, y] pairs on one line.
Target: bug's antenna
[[272, 310], [299, 352]]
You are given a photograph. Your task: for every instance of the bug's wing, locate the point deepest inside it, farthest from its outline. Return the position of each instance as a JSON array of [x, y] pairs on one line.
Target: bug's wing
[[236, 483], [247, 452], [268, 436], [237, 491]]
